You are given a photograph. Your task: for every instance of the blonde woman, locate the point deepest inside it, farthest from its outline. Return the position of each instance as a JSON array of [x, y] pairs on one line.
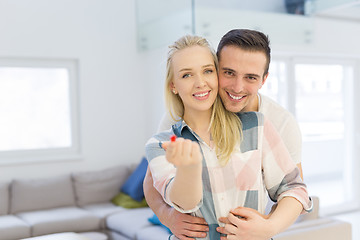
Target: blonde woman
[[220, 160]]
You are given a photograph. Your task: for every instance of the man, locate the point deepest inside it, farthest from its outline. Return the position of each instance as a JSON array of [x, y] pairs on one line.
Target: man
[[244, 58]]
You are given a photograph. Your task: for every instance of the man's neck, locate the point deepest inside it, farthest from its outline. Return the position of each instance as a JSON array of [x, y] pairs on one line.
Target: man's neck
[[253, 106]]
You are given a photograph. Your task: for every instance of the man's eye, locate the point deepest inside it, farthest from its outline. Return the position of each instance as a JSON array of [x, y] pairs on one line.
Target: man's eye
[[229, 73], [252, 78]]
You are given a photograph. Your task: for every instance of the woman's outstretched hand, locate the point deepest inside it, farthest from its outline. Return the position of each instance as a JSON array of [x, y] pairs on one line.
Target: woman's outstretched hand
[[183, 152]]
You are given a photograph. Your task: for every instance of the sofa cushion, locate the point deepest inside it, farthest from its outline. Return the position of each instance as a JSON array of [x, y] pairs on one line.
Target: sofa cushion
[[12, 227], [152, 233], [68, 219], [102, 210], [39, 194], [99, 186], [116, 236], [134, 184], [4, 198], [124, 200], [129, 222]]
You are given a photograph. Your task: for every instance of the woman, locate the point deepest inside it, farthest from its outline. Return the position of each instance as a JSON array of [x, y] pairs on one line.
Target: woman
[[221, 160]]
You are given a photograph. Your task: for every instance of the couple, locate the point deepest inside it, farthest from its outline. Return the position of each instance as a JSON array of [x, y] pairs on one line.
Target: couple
[[227, 157]]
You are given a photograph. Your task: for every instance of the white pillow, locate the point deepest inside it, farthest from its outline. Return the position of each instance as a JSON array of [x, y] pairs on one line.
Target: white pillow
[[4, 198], [99, 186], [39, 194]]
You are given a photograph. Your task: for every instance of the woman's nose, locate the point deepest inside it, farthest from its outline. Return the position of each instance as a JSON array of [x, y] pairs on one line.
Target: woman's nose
[[200, 81]]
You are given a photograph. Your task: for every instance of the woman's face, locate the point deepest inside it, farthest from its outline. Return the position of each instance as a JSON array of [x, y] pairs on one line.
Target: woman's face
[[195, 78]]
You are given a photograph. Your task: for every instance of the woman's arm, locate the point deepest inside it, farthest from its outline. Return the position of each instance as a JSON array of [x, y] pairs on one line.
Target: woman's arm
[[183, 226], [176, 169], [253, 225], [185, 190]]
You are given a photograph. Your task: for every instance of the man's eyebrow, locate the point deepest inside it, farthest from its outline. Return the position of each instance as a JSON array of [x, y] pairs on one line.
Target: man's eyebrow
[[228, 69], [252, 75]]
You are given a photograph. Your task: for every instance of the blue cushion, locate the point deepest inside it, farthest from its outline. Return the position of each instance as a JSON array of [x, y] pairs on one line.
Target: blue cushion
[[155, 220], [134, 184]]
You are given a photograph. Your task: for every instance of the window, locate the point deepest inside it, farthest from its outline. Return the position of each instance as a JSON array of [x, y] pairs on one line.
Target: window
[[319, 93], [38, 105]]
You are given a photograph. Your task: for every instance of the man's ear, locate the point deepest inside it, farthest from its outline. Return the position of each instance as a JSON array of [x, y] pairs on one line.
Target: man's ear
[[264, 80]]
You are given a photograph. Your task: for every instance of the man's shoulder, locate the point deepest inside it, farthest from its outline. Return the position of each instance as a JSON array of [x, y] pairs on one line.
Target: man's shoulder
[[273, 110], [251, 119]]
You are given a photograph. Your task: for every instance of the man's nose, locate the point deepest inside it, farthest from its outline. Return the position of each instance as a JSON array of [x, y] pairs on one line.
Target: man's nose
[[237, 85]]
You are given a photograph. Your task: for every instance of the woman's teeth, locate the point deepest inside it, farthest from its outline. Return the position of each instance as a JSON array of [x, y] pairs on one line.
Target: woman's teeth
[[201, 94]]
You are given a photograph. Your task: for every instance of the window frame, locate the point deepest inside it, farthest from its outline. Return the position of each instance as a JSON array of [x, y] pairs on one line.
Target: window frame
[[351, 135], [50, 154]]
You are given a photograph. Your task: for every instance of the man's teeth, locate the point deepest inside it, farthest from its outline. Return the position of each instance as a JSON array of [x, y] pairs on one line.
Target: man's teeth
[[235, 97], [201, 94]]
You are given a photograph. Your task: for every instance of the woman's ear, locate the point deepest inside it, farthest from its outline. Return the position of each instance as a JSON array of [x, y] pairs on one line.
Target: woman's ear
[[172, 87]]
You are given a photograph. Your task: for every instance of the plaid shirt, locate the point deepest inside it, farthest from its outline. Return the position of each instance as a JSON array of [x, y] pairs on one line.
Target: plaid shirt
[[260, 166]]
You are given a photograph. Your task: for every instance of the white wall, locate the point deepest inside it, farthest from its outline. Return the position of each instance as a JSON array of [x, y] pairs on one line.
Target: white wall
[[101, 35]]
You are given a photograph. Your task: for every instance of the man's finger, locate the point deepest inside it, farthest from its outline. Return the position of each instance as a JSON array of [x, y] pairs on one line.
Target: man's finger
[[183, 237], [196, 227], [194, 234], [195, 220]]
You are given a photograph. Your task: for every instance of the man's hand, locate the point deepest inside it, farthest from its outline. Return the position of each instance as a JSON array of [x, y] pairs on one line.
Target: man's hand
[[186, 227], [250, 226]]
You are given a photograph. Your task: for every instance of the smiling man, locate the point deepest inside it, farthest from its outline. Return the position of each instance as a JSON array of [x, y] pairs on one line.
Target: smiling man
[[244, 58]]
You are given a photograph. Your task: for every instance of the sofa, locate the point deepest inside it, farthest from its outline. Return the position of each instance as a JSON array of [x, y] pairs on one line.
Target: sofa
[[83, 201]]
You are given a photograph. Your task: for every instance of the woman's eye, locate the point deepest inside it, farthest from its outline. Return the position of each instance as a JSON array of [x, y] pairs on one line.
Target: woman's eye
[[209, 71], [186, 75]]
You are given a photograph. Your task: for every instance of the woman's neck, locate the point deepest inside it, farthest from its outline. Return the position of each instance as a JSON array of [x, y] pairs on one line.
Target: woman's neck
[[199, 122]]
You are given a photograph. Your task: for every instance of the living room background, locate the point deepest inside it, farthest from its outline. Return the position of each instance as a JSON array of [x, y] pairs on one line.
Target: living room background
[[119, 87]]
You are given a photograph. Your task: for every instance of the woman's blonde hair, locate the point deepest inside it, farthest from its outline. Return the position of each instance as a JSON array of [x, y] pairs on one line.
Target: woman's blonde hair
[[225, 126]]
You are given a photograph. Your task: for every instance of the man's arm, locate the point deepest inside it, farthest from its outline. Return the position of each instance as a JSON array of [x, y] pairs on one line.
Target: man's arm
[[183, 226]]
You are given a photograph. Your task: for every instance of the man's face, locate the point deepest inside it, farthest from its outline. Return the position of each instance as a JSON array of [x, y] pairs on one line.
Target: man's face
[[240, 77]]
